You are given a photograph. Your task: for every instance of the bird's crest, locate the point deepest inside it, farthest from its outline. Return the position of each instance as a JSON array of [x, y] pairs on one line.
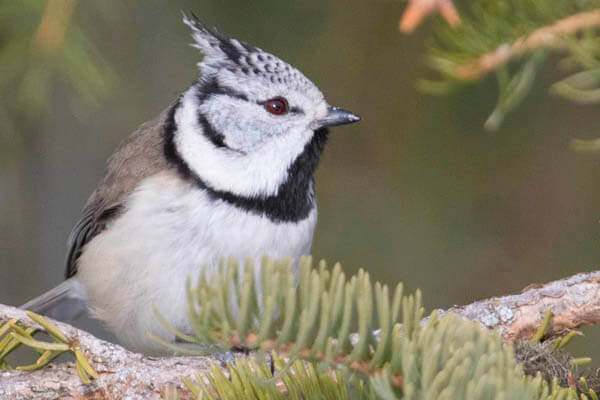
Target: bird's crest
[[216, 46], [221, 51]]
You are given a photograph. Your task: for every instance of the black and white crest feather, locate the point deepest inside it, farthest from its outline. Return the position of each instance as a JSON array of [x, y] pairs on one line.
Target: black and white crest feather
[[216, 47], [222, 51]]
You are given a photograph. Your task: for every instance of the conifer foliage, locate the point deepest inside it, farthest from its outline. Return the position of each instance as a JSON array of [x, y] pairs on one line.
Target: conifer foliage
[[513, 39], [393, 354]]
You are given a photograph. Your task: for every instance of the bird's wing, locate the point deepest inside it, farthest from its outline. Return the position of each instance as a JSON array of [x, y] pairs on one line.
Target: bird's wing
[[139, 156]]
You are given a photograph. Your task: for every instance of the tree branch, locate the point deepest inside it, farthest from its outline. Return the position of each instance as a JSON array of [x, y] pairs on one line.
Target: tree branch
[[574, 302], [122, 374], [540, 38], [51, 32], [418, 10]]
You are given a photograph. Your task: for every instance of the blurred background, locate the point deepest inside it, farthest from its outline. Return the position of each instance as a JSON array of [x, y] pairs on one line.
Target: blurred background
[[417, 191]]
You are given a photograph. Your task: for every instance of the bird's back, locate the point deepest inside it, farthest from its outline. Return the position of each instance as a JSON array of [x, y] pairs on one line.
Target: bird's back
[[139, 156]]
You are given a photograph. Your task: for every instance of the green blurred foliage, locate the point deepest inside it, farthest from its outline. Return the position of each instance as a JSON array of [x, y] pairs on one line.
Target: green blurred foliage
[[40, 45], [505, 38]]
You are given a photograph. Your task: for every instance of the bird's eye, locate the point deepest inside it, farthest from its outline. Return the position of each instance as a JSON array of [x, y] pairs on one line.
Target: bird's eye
[[277, 106]]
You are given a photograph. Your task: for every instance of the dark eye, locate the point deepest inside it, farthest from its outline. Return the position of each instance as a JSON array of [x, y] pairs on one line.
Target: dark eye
[[277, 106]]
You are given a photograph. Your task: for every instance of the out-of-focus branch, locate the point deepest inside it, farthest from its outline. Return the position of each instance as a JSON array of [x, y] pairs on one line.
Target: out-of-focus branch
[[121, 373], [418, 10], [585, 146], [540, 38], [55, 21], [574, 303]]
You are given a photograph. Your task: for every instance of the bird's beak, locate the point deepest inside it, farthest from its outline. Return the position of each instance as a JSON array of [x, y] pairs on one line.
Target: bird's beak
[[336, 116]]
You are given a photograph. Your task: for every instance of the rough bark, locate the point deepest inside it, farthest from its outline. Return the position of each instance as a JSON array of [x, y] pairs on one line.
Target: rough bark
[[122, 374], [574, 302]]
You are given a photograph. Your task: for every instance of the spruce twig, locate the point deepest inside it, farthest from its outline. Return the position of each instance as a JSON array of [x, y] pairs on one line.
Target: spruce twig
[[512, 38], [326, 305], [543, 37], [120, 373], [14, 336], [444, 354], [418, 10], [406, 357]]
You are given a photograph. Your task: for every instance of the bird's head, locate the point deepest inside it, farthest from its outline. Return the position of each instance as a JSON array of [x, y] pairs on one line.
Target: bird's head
[[249, 119]]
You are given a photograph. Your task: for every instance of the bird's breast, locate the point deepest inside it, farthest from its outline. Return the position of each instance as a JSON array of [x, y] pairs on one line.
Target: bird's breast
[[171, 231]]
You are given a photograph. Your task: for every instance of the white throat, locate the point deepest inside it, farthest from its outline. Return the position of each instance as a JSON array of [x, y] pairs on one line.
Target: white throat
[[257, 173]]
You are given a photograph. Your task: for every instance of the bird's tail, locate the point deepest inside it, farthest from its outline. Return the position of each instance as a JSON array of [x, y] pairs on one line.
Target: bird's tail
[[65, 302]]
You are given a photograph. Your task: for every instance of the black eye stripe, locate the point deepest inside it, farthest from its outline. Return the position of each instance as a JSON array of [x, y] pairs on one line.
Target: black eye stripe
[[217, 138], [212, 87], [227, 91]]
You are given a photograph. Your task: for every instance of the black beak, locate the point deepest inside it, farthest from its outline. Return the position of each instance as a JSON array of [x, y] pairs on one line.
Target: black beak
[[336, 116]]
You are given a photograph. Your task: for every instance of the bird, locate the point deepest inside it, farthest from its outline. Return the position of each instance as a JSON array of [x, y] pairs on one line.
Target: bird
[[226, 171]]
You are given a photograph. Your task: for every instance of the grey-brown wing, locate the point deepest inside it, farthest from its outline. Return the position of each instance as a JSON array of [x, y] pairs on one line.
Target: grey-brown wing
[[86, 228], [139, 156]]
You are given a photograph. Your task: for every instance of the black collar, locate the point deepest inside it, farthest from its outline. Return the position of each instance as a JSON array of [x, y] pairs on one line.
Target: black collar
[[294, 199]]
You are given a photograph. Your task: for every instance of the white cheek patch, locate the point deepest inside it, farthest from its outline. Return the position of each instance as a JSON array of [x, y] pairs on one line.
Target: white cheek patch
[[257, 173], [241, 134], [245, 125]]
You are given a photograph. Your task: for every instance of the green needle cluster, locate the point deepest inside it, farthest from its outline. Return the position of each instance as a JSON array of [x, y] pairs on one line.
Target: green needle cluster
[[494, 38], [13, 336], [393, 354]]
